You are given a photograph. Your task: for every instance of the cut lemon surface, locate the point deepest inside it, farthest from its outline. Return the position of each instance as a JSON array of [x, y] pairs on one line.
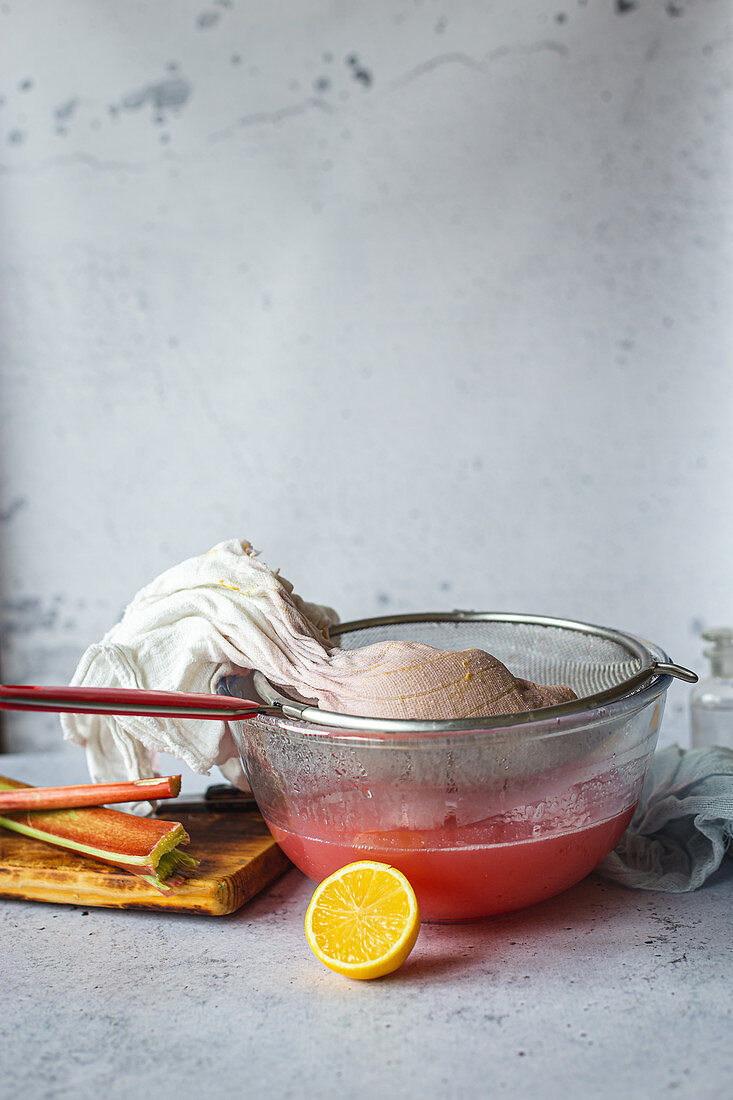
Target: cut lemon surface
[[363, 920]]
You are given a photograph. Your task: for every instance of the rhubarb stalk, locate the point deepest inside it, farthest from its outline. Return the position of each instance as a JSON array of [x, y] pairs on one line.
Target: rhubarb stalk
[[142, 845], [88, 794]]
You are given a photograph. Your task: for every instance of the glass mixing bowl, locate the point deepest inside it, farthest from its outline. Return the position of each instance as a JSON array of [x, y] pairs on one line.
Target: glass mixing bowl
[[481, 821]]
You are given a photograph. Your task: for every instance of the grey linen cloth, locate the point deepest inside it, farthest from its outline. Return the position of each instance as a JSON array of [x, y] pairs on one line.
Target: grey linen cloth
[[683, 823]]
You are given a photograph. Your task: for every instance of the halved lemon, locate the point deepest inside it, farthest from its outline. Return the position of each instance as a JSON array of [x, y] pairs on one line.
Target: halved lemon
[[363, 920]]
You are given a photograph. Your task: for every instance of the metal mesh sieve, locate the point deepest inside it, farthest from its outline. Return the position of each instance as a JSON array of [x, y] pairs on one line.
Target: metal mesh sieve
[[599, 664]]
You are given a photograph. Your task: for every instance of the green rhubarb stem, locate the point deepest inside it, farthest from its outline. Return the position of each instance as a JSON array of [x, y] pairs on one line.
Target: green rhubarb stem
[[177, 836]]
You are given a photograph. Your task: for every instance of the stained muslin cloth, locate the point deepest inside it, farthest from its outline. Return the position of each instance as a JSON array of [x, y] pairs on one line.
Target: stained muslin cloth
[[682, 826], [225, 612]]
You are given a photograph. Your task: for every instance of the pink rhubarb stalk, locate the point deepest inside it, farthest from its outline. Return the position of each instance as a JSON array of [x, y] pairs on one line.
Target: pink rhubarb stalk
[[88, 794]]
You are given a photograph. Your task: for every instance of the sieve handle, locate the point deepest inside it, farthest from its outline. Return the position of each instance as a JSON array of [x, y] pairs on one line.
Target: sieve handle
[[169, 704], [678, 671]]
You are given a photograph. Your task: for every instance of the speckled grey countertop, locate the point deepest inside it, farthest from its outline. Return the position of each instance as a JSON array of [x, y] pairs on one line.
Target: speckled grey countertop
[[601, 992]]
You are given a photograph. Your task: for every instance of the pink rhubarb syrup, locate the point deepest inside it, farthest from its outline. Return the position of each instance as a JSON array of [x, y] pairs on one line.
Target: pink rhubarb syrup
[[464, 873]]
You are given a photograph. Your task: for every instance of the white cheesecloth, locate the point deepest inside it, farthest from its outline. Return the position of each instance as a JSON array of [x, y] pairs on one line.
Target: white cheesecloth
[[225, 612]]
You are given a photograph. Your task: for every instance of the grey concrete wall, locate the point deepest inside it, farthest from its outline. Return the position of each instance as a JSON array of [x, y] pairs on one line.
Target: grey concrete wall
[[431, 301]]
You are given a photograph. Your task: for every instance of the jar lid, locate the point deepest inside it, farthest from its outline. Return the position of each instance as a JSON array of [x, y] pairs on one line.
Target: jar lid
[[720, 635]]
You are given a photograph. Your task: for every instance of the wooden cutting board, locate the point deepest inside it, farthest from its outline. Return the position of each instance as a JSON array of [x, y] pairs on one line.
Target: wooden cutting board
[[238, 859]]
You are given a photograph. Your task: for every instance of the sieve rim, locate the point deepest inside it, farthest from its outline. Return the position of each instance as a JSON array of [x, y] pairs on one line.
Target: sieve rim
[[655, 664]]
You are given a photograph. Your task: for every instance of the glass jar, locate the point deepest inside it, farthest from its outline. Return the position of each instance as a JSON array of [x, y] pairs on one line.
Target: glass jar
[[711, 701]]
